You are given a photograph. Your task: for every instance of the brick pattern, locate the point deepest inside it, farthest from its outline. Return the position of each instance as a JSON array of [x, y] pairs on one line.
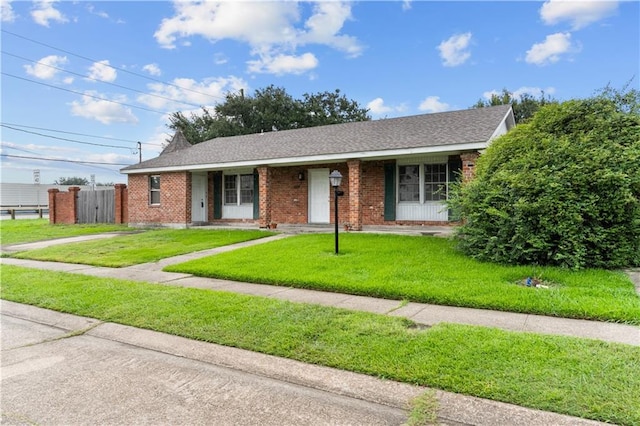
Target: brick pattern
[[373, 193], [175, 200], [469, 160], [264, 181], [63, 206], [122, 204], [355, 194]]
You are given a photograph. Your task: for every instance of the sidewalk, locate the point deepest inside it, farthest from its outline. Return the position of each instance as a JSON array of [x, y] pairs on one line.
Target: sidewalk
[[421, 313]]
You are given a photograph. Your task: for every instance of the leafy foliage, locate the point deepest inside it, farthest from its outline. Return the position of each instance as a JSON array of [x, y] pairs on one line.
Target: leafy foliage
[[72, 180], [269, 109], [524, 106], [562, 189]]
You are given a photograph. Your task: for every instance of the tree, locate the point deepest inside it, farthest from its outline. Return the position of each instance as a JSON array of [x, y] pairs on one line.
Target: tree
[[269, 109], [524, 106], [562, 189], [71, 181]]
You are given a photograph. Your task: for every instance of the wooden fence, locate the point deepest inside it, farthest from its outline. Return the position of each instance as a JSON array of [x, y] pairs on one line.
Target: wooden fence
[[96, 206]]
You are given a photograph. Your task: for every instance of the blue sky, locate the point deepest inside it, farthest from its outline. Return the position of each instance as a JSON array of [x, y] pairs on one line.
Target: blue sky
[[110, 72]]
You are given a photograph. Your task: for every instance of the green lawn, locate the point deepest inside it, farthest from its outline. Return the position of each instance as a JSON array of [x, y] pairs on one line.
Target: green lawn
[[148, 246], [30, 230], [579, 377], [423, 269]]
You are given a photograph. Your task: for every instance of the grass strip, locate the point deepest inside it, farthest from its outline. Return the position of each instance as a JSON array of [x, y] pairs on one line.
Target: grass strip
[[149, 246], [30, 230], [573, 376], [424, 269]]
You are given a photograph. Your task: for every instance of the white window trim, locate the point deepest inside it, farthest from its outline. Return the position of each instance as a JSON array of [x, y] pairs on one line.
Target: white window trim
[[238, 174], [421, 185], [152, 190]]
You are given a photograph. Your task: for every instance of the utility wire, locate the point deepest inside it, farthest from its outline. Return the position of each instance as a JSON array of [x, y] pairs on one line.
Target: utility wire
[[65, 139], [102, 81], [116, 68], [78, 134], [65, 161], [84, 94]]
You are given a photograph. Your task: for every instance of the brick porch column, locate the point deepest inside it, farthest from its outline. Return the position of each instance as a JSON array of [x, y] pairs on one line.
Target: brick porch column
[[264, 194], [469, 160], [52, 205], [355, 194]]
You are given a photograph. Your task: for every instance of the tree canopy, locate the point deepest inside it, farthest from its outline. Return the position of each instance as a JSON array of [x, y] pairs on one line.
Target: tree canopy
[[72, 180], [562, 189], [524, 106], [269, 109]]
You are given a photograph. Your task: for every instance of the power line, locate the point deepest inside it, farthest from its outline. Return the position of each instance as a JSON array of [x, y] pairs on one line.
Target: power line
[[110, 66], [102, 81], [77, 134], [64, 161], [84, 94], [65, 139]]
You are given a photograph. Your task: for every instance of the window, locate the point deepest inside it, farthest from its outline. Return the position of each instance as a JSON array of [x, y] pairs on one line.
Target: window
[[238, 187], [435, 182], [154, 189], [409, 180], [230, 189], [422, 183]]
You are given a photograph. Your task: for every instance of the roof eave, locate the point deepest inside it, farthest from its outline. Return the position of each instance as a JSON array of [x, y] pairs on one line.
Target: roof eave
[[315, 159]]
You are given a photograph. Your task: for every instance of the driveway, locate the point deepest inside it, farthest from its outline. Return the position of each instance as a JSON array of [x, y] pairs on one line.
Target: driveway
[[52, 376]]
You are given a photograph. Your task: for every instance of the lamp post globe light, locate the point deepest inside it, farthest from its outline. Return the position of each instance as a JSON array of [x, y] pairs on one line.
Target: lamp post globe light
[[335, 178]]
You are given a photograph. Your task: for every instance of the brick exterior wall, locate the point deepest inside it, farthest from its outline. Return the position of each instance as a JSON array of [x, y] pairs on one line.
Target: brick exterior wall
[[284, 198], [469, 160], [175, 200], [121, 203], [63, 206]]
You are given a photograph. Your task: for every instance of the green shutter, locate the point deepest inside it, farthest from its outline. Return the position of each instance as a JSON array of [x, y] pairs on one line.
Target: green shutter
[[455, 174], [217, 195], [256, 194], [390, 191]]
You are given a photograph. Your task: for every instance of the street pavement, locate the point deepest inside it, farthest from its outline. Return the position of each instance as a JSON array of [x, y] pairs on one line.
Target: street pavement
[[63, 369]]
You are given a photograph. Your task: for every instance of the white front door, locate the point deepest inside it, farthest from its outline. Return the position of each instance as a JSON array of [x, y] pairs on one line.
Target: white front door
[[198, 197], [319, 195]]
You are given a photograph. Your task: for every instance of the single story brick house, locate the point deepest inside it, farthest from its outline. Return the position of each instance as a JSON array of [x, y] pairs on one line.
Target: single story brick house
[[395, 171]]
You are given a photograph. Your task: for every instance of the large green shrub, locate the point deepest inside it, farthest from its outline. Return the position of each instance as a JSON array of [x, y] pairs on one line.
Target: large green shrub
[[562, 189]]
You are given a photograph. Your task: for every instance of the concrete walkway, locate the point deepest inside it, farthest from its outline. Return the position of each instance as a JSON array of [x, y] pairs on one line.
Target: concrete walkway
[[421, 313]]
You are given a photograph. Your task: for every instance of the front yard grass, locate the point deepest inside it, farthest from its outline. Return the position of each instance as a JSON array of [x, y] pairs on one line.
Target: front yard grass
[[148, 246], [423, 269], [579, 377], [30, 230]]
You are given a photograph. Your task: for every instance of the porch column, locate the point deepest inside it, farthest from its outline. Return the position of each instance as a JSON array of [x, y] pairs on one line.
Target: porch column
[[264, 179], [121, 203], [468, 165], [355, 194]]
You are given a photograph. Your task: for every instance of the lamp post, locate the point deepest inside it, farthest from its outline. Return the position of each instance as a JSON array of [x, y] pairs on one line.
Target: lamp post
[[336, 178]]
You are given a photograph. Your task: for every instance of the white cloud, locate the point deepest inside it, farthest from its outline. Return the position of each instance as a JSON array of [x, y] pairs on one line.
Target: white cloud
[[220, 59], [68, 80], [283, 64], [536, 92], [325, 24], [102, 71], [454, 51], [377, 107], [44, 12], [406, 4], [207, 92], [271, 29], [550, 50], [43, 69], [579, 13], [152, 69], [433, 104], [7, 11], [91, 8], [103, 110]]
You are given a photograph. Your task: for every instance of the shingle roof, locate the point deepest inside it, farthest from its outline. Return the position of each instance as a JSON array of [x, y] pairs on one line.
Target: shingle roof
[[440, 129]]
